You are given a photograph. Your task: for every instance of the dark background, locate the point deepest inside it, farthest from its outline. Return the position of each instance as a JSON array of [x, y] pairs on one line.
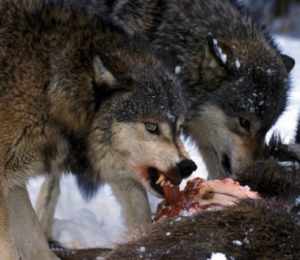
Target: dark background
[[280, 16]]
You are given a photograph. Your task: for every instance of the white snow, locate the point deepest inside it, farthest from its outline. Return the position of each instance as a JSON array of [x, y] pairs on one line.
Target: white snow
[[99, 223], [177, 69], [237, 242], [222, 55], [237, 64], [170, 116], [217, 256], [297, 201], [142, 249]]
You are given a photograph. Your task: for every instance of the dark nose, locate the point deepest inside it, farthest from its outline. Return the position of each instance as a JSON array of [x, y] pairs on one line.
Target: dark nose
[[186, 167]]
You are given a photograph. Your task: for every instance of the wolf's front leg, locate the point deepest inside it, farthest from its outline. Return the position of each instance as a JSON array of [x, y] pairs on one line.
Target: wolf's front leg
[[29, 240], [8, 250], [46, 203], [134, 201]]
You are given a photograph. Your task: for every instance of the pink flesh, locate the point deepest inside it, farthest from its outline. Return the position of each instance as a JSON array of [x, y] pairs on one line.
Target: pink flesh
[[199, 195], [227, 187]]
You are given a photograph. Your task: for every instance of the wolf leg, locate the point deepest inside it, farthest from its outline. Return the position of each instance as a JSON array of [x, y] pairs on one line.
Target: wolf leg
[[46, 203], [29, 238], [7, 249], [25, 230], [134, 201]]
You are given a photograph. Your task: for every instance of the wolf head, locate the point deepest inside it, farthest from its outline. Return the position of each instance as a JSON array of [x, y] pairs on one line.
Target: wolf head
[[127, 112], [140, 115], [245, 83]]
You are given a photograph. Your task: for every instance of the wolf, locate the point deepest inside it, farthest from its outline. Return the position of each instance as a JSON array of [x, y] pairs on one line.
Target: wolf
[[78, 96]]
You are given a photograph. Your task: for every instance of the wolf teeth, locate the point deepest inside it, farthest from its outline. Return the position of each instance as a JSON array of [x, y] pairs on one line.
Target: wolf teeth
[[166, 183], [160, 179]]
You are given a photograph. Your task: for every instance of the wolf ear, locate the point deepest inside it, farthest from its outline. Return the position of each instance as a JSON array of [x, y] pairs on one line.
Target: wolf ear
[[217, 63], [107, 76], [102, 75], [219, 53], [288, 62]]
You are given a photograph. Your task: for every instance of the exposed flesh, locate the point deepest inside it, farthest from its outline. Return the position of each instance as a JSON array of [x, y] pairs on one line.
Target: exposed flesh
[[200, 194]]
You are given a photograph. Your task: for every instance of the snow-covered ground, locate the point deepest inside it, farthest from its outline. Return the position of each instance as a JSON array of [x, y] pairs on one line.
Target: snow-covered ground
[[99, 223]]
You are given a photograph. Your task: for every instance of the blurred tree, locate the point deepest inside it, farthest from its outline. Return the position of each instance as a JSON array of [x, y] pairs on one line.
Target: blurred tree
[[274, 13]]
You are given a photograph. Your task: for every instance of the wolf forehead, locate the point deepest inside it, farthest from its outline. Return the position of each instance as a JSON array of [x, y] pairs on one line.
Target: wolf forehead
[[157, 94], [261, 92]]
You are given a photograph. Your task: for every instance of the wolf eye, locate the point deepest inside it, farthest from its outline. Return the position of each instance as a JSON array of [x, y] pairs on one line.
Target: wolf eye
[[244, 123], [152, 128]]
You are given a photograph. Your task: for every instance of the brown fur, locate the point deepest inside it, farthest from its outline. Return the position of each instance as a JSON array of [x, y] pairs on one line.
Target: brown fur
[[76, 96]]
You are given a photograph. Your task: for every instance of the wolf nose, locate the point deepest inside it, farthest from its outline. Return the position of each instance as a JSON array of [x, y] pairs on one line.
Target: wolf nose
[[186, 167]]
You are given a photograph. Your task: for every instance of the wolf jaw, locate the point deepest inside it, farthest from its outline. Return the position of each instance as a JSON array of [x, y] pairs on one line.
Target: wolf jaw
[[165, 183], [226, 145], [157, 158]]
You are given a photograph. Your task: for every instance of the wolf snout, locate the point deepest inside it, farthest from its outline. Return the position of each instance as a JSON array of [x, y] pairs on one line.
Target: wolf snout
[[186, 168]]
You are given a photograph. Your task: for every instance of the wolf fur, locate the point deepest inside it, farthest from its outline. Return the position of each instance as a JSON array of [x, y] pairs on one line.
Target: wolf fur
[[234, 75], [267, 228], [78, 96]]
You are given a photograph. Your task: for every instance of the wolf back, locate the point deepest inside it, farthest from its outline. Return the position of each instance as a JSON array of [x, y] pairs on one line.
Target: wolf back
[[77, 95]]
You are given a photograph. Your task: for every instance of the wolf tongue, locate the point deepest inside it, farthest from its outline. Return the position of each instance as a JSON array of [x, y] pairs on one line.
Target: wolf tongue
[[171, 194]]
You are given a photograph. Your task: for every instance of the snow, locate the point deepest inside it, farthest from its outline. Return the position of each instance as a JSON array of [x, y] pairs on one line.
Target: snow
[[99, 223], [222, 55], [177, 70], [297, 201], [237, 64], [217, 256], [237, 242], [142, 249]]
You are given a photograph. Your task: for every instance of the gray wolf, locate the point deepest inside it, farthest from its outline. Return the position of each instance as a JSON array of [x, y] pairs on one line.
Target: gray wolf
[[267, 228], [78, 96]]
